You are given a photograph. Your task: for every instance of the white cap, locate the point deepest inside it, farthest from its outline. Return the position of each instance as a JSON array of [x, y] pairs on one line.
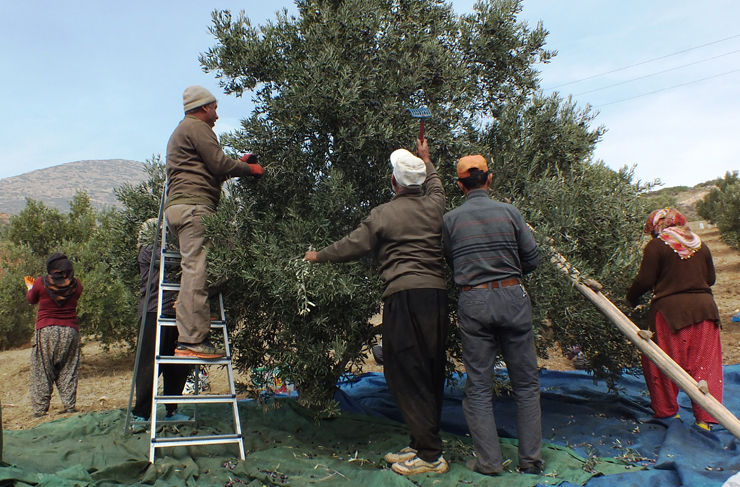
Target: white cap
[[408, 169]]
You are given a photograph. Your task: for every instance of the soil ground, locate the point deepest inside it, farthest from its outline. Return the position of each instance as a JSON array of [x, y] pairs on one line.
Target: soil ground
[[105, 378]]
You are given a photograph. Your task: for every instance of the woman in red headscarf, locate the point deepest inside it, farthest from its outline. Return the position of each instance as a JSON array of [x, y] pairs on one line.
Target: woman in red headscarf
[[677, 267], [55, 355]]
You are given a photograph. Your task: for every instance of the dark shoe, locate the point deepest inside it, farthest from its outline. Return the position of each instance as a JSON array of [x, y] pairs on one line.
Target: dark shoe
[[203, 349], [138, 424], [416, 466], [177, 417], [71, 410], [378, 354], [472, 464], [39, 415], [535, 469]]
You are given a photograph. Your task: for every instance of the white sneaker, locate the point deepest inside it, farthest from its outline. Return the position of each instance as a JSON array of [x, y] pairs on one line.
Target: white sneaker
[[406, 454], [416, 466]]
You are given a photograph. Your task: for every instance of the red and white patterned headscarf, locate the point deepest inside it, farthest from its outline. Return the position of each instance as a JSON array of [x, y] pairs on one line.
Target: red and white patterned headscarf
[[669, 225]]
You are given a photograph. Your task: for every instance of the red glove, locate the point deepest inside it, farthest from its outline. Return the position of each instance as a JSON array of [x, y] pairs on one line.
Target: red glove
[[257, 171], [252, 159]]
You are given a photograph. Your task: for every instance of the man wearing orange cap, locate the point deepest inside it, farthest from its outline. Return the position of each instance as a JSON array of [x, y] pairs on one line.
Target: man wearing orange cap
[[405, 235], [489, 247]]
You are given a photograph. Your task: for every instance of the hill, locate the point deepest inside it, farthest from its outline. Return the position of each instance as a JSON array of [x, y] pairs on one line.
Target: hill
[[682, 198], [56, 185]]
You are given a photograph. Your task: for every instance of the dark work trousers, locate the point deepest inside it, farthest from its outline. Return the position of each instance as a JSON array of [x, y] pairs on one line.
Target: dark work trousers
[[493, 321], [174, 376], [414, 333]]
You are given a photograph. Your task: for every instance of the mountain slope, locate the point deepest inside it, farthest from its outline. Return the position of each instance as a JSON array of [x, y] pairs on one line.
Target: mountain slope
[[56, 185]]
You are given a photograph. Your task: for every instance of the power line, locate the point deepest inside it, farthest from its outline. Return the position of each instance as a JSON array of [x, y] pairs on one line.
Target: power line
[[643, 62], [669, 88], [659, 72]]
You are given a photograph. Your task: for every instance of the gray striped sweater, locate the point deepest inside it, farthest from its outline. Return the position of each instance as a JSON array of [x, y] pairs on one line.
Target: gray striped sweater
[[486, 240]]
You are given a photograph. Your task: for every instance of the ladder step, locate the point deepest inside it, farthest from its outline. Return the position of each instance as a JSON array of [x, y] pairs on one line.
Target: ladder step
[[167, 321], [196, 398], [169, 359], [170, 286], [171, 254], [196, 440]]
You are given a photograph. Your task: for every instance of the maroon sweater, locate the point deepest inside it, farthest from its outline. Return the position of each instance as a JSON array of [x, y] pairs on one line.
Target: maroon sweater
[[51, 314], [682, 287]]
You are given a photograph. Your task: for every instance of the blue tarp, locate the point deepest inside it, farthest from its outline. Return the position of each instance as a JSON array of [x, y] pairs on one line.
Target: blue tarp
[[587, 418]]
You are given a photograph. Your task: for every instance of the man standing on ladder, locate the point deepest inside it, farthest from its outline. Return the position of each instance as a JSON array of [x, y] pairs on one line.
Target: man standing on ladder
[[196, 168]]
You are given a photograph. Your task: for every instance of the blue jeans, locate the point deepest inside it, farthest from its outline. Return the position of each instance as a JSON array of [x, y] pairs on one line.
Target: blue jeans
[[493, 321]]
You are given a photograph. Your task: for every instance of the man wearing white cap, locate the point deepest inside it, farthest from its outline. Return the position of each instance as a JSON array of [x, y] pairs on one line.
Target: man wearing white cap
[[196, 168], [406, 234]]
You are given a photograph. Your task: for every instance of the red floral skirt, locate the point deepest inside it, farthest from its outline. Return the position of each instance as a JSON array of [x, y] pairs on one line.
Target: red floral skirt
[[698, 350]]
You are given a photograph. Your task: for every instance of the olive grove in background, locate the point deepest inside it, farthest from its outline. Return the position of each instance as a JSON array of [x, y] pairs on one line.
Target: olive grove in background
[[104, 310], [722, 207]]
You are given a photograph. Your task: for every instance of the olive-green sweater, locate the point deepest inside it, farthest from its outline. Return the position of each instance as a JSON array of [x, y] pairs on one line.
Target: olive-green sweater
[[405, 237], [197, 166]]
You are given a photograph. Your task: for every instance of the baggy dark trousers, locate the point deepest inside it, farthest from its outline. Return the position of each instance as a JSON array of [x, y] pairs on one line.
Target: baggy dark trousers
[[414, 333], [493, 321], [55, 359], [174, 375]]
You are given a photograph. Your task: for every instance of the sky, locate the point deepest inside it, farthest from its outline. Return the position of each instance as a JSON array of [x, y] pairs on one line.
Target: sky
[[89, 79]]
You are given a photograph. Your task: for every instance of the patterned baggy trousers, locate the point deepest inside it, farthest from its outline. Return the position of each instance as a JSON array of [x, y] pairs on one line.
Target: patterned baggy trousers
[[55, 359]]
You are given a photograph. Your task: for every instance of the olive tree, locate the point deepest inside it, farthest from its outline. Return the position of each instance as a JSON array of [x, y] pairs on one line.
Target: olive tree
[[331, 87]]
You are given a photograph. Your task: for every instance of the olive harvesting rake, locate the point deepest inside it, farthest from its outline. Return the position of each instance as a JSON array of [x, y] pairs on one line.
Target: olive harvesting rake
[[423, 113]]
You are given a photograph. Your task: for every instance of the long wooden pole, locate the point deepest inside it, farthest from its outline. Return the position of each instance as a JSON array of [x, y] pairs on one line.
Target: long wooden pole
[[698, 392]]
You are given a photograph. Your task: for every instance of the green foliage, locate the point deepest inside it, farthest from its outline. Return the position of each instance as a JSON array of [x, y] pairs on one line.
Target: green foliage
[[722, 206], [661, 200], [592, 217], [36, 232], [39, 227], [140, 203], [17, 317], [331, 88]]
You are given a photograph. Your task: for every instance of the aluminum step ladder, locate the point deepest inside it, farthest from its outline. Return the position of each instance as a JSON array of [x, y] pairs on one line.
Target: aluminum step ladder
[[168, 259]]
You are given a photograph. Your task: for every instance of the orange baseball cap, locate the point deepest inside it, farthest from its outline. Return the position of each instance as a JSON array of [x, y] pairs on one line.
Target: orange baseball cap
[[467, 163]]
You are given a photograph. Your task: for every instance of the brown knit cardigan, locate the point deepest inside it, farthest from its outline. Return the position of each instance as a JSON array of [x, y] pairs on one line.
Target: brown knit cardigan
[[682, 287]]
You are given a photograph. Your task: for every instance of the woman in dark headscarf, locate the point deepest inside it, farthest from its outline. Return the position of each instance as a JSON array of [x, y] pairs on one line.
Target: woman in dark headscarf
[[55, 355], [683, 316]]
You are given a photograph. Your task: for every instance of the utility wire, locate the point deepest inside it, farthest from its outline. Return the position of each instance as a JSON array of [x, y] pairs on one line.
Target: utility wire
[[669, 88], [655, 74], [644, 62]]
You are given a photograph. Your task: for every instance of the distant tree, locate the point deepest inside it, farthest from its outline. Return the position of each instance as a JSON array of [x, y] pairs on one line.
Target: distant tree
[[722, 207], [331, 89], [664, 198]]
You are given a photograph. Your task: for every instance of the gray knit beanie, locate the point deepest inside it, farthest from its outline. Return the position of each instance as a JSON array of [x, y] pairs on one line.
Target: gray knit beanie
[[196, 96]]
